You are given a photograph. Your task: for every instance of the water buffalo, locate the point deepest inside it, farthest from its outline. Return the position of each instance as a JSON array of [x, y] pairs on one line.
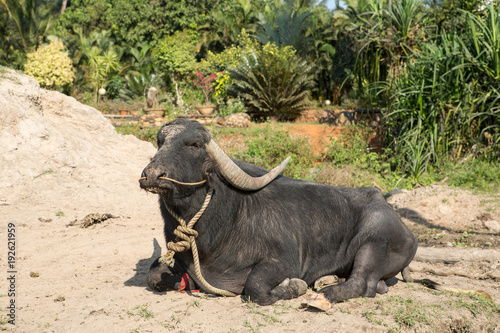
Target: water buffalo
[[265, 235]]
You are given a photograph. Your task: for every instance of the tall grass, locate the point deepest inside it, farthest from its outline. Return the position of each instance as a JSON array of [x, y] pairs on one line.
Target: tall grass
[[445, 99]]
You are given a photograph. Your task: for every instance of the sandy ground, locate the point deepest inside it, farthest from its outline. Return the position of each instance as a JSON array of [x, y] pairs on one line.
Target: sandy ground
[[60, 161]]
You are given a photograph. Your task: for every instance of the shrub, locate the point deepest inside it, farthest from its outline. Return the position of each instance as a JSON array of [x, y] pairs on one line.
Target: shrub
[[230, 107], [352, 147], [273, 82], [350, 155], [50, 65], [230, 57], [273, 146]]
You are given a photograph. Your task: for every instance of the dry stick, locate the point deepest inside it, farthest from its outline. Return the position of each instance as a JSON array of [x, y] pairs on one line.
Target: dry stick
[[471, 276], [437, 286]]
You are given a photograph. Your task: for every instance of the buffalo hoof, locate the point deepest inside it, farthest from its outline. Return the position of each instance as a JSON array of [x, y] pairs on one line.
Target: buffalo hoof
[[317, 301], [327, 280], [290, 288], [161, 277], [382, 287]]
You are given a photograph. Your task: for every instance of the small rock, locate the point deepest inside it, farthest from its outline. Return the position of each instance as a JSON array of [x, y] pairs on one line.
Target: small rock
[[236, 120], [492, 225], [59, 299], [449, 244], [487, 244], [92, 219]]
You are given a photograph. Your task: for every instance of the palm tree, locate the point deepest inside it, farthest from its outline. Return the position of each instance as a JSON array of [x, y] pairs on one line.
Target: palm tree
[[32, 20], [284, 25], [226, 24]]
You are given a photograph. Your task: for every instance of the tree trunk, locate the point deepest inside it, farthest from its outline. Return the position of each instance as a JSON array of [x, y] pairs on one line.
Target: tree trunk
[[178, 92], [63, 6]]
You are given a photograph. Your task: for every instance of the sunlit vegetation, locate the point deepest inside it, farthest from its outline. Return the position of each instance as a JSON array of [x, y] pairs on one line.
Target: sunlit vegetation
[[431, 67]]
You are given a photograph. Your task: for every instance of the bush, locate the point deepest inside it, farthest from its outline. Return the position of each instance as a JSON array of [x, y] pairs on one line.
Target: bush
[[273, 146], [352, 148], [50, 65], [350, 156], [273, 82], [114, 86], [230, 107]]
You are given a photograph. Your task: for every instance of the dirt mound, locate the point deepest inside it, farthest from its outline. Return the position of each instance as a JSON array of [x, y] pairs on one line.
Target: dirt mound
[[54, 150], [446, 216]]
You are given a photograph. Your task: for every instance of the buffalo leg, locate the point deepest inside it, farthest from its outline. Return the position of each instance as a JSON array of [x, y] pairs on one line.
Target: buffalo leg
[[262, 289], [370, 269]]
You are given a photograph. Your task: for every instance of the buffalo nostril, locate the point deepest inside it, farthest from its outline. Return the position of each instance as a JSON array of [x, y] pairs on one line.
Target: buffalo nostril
[[152, 174]]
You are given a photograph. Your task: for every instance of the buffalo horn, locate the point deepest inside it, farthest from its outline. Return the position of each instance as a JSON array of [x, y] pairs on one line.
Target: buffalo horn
[[236, 176]]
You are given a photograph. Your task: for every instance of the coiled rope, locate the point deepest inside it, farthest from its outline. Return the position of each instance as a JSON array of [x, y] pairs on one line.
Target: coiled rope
[[185, 239]]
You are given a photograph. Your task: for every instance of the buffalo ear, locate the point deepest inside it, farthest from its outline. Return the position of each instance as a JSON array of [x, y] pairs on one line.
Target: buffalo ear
[[209, 168]]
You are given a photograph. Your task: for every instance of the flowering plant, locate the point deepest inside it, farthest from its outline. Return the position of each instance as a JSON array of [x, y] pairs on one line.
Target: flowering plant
[[205, 83]]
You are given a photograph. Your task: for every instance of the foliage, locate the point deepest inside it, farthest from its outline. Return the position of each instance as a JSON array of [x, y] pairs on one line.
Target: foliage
[[472, 174], [176, 54], [225, 108], [274, 145], [137, 86], [221, 82], [231, 56], [134, 21], [28, 22], [50, 65], [227, 21], [114, 86], [352, 146], [384, 35], [101, 64], [273, 82], [283, 25], [176, 59], [444, 100]]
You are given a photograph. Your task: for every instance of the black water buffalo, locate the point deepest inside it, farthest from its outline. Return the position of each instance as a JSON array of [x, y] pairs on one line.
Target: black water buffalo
[[265, 235]]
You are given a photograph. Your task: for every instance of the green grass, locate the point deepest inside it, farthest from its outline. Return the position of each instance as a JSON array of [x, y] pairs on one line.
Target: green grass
[[143, 133], [473, 174], [141, 311]]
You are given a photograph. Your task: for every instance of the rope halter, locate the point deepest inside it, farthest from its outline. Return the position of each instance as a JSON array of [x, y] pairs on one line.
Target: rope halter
[[185, 239]]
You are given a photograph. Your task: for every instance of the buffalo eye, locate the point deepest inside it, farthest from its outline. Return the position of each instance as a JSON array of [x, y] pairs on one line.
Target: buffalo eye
[[193, 145]]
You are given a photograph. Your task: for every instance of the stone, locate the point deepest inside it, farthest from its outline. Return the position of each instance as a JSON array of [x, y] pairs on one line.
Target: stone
[[235, 120], [492, 225]]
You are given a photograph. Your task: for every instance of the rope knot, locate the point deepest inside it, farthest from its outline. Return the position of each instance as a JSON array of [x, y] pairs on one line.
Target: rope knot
[[186, 232]]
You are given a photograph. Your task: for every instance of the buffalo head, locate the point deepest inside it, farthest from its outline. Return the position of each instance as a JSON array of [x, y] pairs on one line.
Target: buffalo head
[[188, 155]]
